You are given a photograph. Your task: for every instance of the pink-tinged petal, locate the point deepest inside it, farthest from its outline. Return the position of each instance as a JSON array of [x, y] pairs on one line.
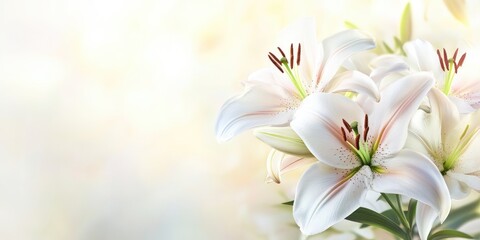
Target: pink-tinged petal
[[472, 179], [318, 122], [283, 139], [415, 176], [336, 49], [425, 217], [259, 105], [457, 189], [279, 163], [354, 81], [327, 195], [399, 101], [466, 91], [466, 105]]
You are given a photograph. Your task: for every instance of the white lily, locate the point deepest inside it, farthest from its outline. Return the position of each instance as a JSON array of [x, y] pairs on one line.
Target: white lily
[[451, 141], [358, 151], [421, 56], [272, 95]]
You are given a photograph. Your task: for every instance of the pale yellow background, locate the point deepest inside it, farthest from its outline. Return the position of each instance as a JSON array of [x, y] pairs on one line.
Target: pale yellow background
[[107, 111]]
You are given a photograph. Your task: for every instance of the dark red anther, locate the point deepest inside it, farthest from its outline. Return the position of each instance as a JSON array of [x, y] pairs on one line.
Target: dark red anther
[[291, 56], [455, 55], [445, 59], [349, 128], [365, 121], [460, 62], [441, 60], [281, 52], [299, 50], [275, 63], [455, 66], [357, 141], [343, 134], [365, 134]]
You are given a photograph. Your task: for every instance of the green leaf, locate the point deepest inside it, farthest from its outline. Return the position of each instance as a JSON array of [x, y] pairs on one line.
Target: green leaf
[[406, 24], [390, 213], [458, 8], [290, 203], [449, 234], [367, 216], [412, 211], [350, 25], [459, 216]]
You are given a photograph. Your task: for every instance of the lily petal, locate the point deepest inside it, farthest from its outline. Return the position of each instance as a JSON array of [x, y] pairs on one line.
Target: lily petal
[[318, 122], [259, 105], [425, 217], [457, 189], [472, 180], [336, 49], [283, 139], [327, 195], [302, 31], [422, 56], [354, 81], [399, 102], [279, 163], [403, 173], [386, 65]]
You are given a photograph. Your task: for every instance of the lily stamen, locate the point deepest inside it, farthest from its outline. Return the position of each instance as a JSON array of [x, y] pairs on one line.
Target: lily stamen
[[450, 66]]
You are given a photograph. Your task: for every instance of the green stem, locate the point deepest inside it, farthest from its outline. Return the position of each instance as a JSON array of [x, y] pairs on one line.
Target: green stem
[[399, 212], [449, 78]]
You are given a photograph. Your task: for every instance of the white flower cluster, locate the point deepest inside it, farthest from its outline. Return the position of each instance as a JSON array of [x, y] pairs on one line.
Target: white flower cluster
[[397, 124]]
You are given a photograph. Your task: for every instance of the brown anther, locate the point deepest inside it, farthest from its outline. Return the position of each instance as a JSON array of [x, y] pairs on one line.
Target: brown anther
[[357, 141], [299, 50], [349, 128], [281, 52], [365, 121], [275, 63], [460, 62], [445, 59], [291, 56], [455, 66], [441, 60], [343, 134], [455, 55], [365, 134]]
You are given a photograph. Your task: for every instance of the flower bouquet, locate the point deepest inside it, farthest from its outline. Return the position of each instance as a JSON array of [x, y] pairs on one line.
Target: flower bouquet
[[398, 124]]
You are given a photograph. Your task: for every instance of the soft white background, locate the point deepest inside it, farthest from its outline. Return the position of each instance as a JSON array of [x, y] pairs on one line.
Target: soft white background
[[107, 111]]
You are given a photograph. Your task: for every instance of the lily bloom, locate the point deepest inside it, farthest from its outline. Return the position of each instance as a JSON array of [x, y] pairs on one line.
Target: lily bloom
[[301, 67], [451, 141], [447, 70], [360, 149]]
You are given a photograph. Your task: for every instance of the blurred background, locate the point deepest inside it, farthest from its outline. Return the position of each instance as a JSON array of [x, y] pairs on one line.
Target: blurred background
[[107, 111]]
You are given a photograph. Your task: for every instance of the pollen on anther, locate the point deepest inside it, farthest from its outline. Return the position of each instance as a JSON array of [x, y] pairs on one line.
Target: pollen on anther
[[273, 59], [349, 128], [291, 56], [365, 133], [445, 59], [281, 52], [343, 134], [460, 62], [357, 142], [455, 55], [299, 50], [441, 60]]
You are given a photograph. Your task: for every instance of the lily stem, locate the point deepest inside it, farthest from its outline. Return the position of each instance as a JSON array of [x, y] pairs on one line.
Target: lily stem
[[399, 212]]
